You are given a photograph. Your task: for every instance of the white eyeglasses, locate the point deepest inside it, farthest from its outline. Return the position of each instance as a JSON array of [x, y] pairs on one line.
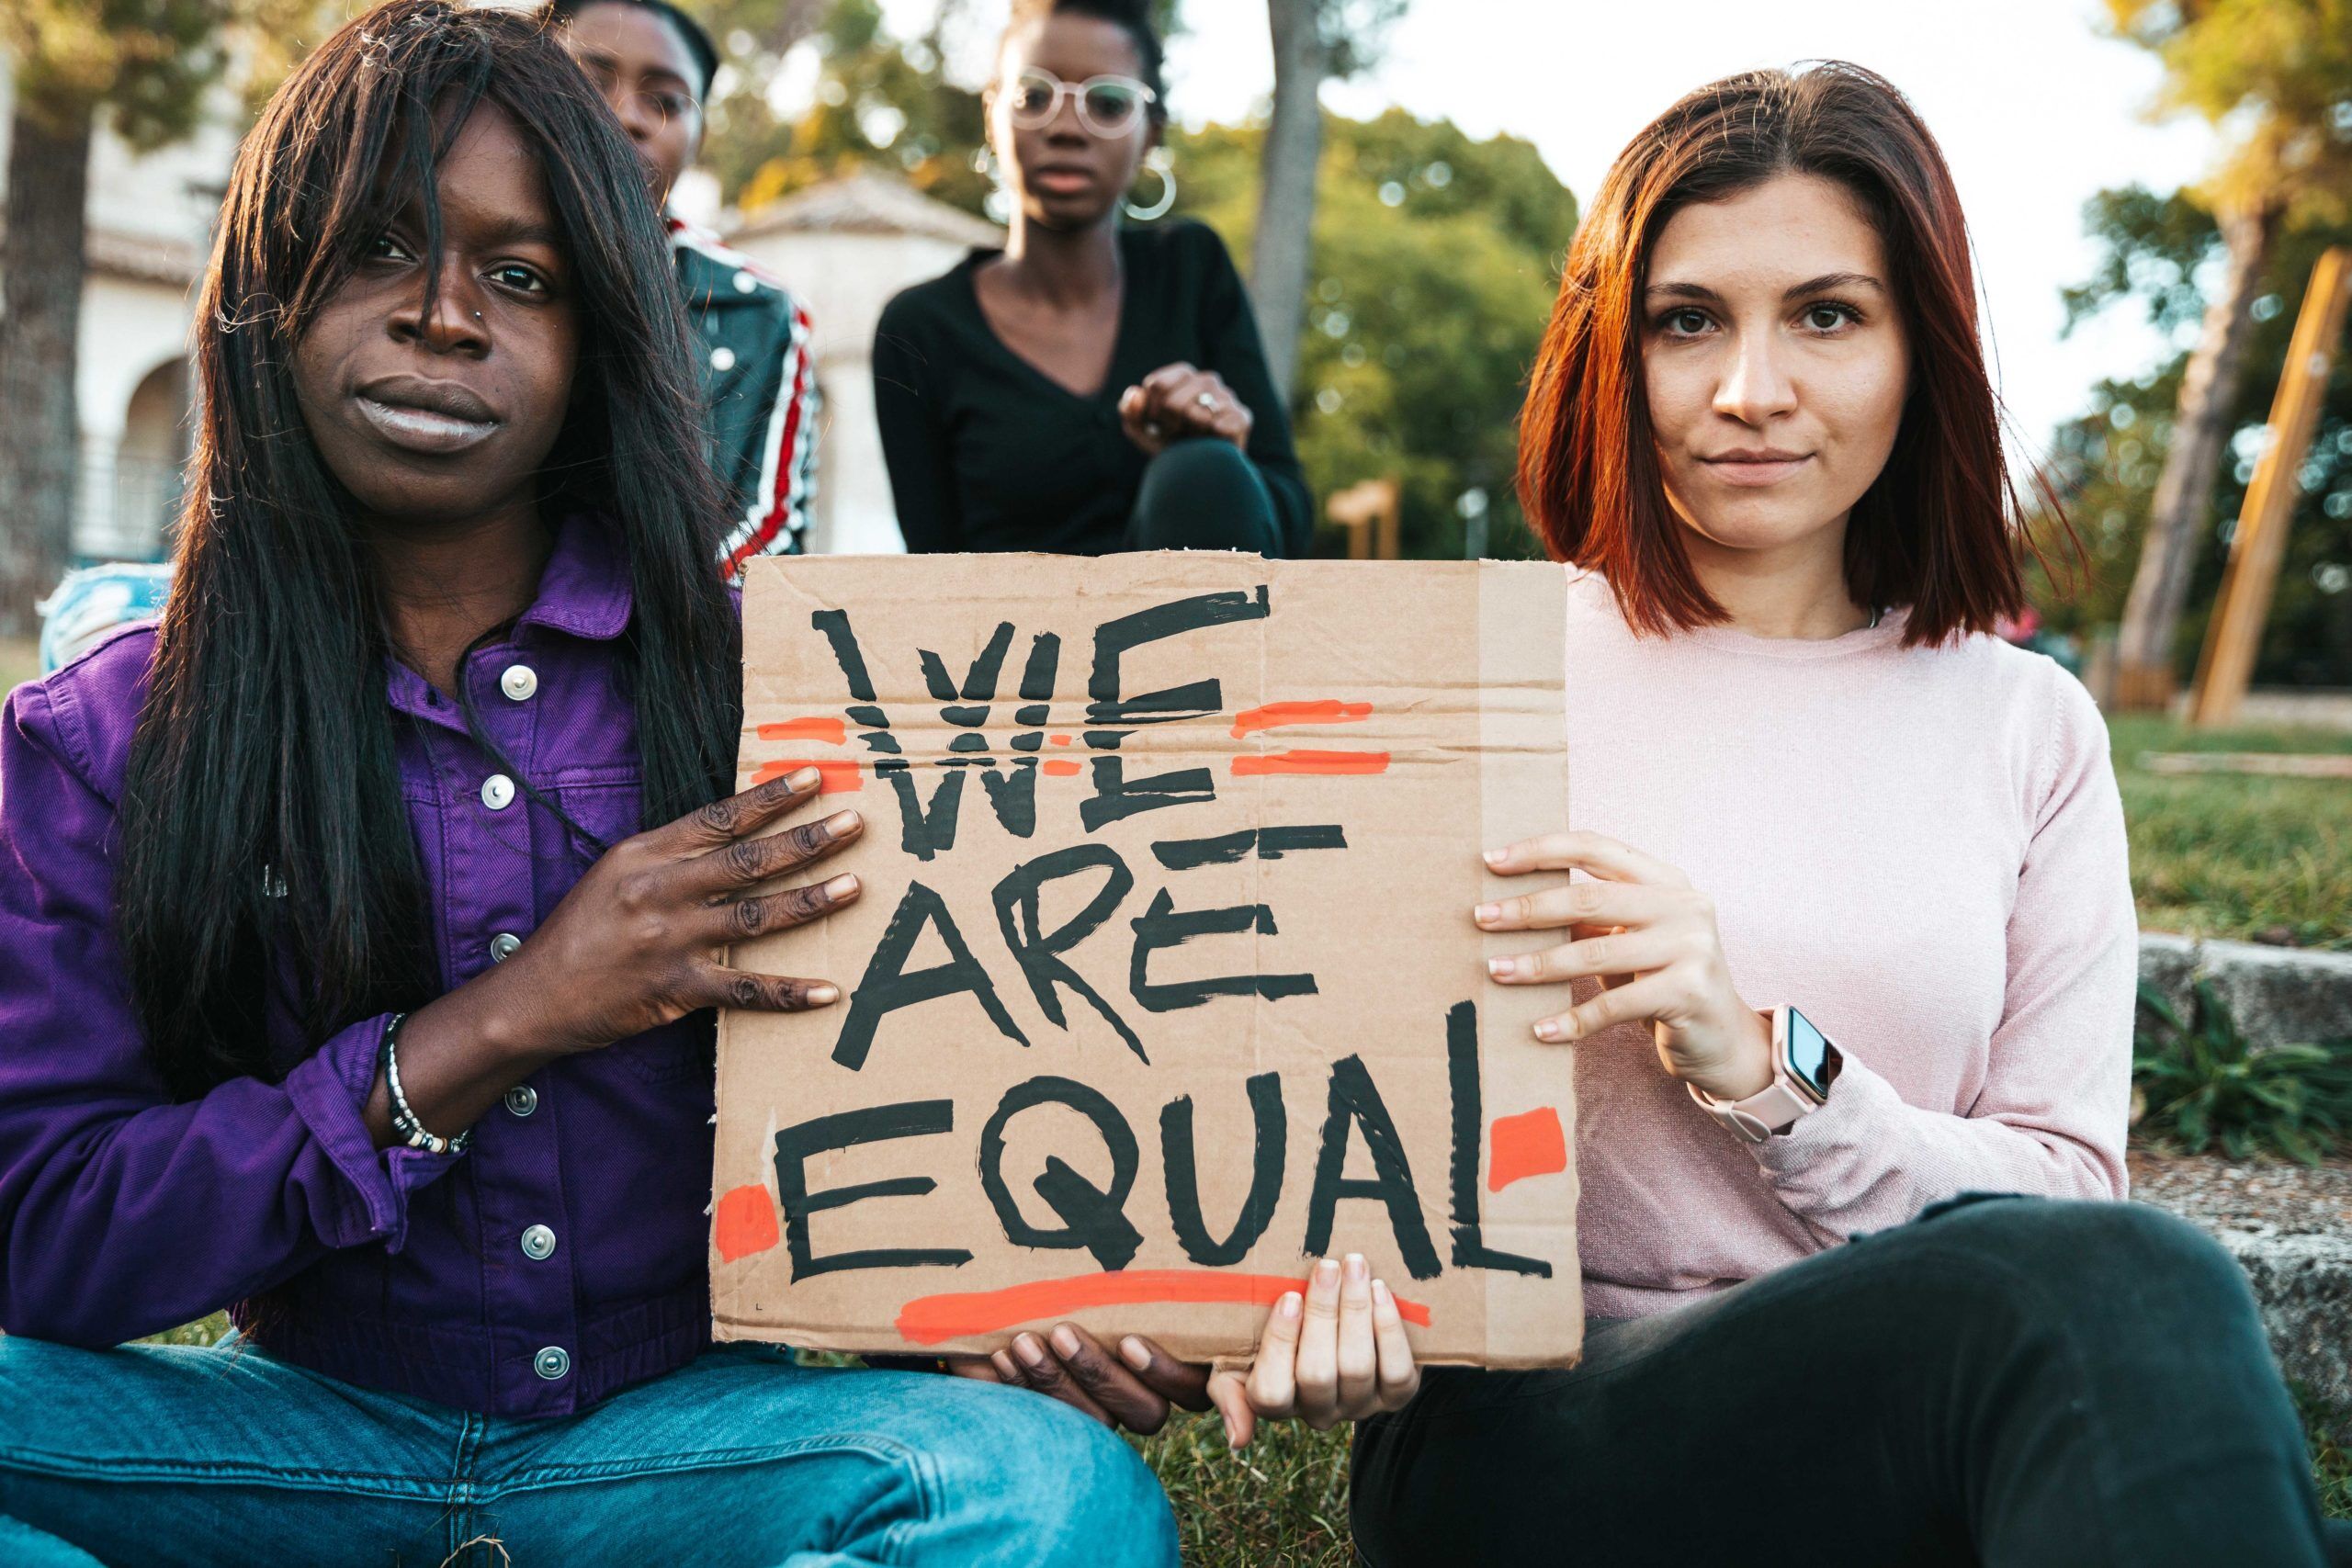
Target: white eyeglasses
[[1107, 106]]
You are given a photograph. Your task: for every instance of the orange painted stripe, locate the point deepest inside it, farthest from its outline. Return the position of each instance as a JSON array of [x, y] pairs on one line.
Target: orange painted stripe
[[1273, 716], [1312, 762], [839, 778], [1058, 740], [933, 1320], [1530, 1144], [1061, 767], [820, 728], [743, 1223]]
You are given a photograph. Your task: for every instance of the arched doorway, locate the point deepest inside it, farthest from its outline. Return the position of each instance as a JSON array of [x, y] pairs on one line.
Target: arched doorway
[[145, 488]]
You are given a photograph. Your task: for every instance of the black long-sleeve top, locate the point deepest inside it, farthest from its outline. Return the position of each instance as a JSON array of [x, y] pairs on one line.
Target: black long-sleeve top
[[986, 452]]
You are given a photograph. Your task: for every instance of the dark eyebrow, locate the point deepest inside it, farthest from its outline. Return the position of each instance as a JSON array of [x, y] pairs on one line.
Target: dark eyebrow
[[519, 231], [1826, 282], [1829, 280], [611, 62]]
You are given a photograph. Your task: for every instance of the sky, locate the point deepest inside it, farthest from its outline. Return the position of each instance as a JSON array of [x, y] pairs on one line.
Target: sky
[[2036, 107]]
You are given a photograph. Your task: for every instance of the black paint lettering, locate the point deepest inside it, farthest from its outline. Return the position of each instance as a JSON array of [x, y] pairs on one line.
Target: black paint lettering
[[1355, 1103], [1039, 955], [1116, 637], [1470, 1248], [913, 1119], [888, 985], [1266, 843], [1163, 925], [980, 681], [1116, 796], [1092, 1218], [925, 830], [1269, 1149]]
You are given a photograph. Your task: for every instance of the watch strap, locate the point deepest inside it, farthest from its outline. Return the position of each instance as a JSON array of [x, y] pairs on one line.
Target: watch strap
[[1773, 1108]]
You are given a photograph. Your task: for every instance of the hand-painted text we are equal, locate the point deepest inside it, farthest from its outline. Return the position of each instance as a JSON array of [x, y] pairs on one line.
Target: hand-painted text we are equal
[[1093, 1217]]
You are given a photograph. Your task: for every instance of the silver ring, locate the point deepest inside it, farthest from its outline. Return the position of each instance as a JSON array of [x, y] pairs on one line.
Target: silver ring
[[1207, 400]]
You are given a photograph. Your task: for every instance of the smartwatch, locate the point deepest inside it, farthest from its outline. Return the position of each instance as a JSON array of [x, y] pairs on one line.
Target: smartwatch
[[1804, 1064]]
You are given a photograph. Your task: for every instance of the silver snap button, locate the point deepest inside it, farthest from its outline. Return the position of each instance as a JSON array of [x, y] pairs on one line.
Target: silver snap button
[[722, 359], [522, 1099], [537, 1242], [552, 1362], [503, 946], [745, 283], [519, 683], [498, 792]]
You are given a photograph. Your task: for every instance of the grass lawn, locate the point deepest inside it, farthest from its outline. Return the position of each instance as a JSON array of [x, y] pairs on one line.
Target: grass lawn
[[19, 661], [2229, 855]]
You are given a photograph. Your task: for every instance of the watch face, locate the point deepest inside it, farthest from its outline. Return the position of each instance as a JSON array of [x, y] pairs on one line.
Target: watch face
[[1808, 1054]]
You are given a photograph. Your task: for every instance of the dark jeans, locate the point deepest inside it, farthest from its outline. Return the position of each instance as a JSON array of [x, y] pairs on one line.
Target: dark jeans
[[2006, 1381], [1203, 494]]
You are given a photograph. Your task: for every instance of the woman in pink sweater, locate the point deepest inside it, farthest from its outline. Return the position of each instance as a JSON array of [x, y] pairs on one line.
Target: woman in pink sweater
[[1850, 945]]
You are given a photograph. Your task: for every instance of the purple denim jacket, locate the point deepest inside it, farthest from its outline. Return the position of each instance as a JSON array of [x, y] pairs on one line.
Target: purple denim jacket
[[559, 1260]]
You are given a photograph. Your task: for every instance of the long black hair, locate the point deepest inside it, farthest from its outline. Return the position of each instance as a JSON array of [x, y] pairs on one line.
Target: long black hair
[[262, 802]]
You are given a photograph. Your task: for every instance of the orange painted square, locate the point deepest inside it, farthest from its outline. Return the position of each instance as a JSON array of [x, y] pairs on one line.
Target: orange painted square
[[1530, 1144]]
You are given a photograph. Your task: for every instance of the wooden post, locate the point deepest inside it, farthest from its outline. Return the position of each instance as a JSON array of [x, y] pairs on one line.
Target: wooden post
[[2234, 634], [1368, 512]]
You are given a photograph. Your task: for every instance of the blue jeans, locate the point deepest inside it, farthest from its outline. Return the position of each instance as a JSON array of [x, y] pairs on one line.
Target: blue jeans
[[153, 1454]]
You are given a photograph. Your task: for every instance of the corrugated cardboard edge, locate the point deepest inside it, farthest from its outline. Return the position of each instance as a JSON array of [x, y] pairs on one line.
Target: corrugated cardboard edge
[[1522, 629]]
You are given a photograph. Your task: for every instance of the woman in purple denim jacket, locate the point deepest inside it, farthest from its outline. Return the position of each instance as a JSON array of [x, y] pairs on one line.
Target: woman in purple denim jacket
[[337, 979]]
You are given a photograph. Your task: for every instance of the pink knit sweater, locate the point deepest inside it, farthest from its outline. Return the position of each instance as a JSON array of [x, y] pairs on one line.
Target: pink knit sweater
[[1922, 849]]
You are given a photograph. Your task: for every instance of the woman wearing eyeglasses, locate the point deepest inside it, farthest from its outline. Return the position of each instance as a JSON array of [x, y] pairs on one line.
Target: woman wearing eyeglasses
[[1094, 386]]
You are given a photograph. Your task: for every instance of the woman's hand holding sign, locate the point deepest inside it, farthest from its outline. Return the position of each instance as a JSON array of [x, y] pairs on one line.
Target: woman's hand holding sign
[[640, 941], [1333, 1352], [1638, 926]]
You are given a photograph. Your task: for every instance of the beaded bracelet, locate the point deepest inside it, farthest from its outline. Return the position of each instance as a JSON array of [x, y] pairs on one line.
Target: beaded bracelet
[[405, 1126]]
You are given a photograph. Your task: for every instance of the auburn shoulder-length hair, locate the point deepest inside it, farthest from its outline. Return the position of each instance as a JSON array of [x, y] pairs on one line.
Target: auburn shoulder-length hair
[[1939, 530]]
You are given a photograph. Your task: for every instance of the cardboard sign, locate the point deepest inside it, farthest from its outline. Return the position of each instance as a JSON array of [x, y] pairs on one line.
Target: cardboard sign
[[1164, 980]]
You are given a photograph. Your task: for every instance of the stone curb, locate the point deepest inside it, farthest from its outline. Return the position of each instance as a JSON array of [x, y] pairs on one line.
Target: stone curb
[[2302, 1282], [2278, 995]]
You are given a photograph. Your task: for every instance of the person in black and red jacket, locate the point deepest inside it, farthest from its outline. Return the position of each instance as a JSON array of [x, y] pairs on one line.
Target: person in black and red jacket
[[654, 64]]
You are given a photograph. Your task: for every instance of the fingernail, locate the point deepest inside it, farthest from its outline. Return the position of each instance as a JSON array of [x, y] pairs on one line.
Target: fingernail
[[804, 778], [1503, 968], [1289, 1306], [841, 823], [1325, 1271], [1029, 1350], [1136, 1353], [841, 887], [1548, 1030], [1380, 1292], [1496, 857], [1485, 912], [1004, 1367], [1356, 1269], [1232, 1437], [823, 995], [1065, 1340]]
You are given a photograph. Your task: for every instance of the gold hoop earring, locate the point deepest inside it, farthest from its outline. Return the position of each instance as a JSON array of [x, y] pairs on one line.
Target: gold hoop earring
[[1157, 161]]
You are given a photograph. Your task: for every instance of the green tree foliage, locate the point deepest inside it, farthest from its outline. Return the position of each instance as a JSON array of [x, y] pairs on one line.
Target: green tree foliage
[[1434, 265], [2156, 250], [881, 101], [146, 62], [2275, 76]]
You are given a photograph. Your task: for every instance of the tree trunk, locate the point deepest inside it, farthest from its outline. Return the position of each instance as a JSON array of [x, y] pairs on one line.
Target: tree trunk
[[40, 315], [2178, 516], [1282, 249]]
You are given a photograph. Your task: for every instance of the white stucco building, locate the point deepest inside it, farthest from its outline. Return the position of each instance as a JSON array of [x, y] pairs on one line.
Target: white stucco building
[[150, 227]]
